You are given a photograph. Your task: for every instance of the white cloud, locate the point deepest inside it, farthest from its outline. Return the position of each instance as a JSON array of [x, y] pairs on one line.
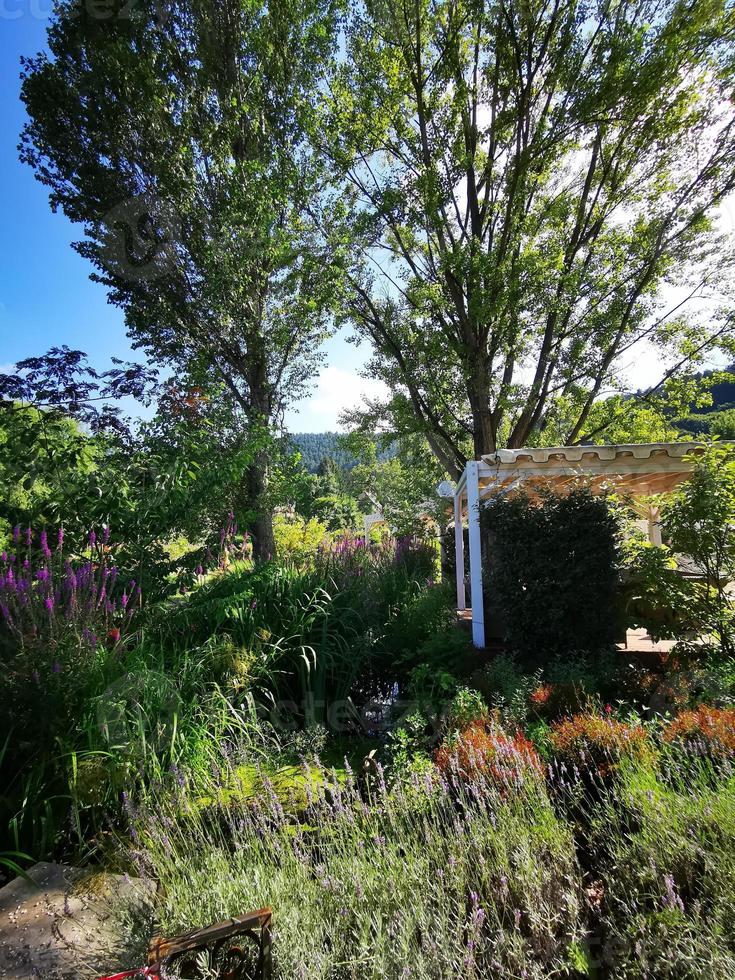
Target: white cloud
[[336, 391]]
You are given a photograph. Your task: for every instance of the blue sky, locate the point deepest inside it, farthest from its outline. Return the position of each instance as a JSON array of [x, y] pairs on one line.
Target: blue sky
[[46, 296]]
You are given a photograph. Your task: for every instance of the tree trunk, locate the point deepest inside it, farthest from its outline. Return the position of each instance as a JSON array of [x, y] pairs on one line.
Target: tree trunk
[[261, 524], [483, 427]]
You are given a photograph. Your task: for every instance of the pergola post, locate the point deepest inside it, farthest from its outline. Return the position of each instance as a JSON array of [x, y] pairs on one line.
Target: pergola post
[[473, 519], [654, 525], [459, 551]]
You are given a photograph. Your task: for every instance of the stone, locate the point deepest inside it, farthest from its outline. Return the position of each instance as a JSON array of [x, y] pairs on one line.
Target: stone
[[70, 924]]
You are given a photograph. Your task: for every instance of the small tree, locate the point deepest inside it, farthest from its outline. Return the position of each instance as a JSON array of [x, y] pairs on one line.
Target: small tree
[[699, 522]]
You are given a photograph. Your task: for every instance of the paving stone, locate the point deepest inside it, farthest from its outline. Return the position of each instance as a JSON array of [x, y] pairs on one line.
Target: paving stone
[[68, 925]]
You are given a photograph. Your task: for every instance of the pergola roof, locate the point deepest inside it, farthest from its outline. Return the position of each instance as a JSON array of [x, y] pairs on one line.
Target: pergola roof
[[639, 469]]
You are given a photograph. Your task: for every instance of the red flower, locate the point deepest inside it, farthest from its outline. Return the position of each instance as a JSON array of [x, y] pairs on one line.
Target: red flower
[[481, 750], [713, 728]]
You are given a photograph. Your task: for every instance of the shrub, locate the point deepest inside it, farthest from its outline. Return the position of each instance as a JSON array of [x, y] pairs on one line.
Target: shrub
[[698, 521], [704, 731], [487, 751], [507, 687], [553, 572], [466, 708], [297, 539], [595, 743]]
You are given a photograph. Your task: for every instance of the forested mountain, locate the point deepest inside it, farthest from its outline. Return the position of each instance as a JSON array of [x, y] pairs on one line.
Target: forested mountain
[[316, 446], [700, 420]]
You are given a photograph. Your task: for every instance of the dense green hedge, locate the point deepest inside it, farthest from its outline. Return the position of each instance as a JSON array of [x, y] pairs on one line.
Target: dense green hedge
[[552, 572]]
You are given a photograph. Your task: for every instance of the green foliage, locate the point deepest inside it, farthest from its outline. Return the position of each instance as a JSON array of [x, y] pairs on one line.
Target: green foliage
[[45, 462], [699, 523], [204, 227], [531, 235], [314, 447], [338, 512], [297, 539], [466, 708], [553, 572], [696, 522]]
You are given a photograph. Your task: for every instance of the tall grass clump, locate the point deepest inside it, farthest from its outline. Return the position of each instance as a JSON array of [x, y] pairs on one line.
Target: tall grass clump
[[427, 879], [308, 634]]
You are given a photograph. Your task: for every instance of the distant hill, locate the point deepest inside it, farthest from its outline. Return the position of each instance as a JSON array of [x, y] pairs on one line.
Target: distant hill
[[723, 398], [316, 446]]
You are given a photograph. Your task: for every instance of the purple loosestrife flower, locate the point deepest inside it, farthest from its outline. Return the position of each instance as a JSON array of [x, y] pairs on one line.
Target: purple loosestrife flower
[[16, 534], [4, 557], [92, 539], [45, 550], [49, 604], [29, 536], [105, 534], [60, 539]]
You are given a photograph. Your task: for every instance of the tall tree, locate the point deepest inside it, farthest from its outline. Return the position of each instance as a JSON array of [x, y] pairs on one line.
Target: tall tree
[[178, 138], [531, 180]]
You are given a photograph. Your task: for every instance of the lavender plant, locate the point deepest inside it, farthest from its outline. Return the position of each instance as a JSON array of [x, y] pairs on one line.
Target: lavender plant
[[424, 879]]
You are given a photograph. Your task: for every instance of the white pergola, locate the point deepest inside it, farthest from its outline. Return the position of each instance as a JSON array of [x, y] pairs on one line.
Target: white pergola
[[639, 470]]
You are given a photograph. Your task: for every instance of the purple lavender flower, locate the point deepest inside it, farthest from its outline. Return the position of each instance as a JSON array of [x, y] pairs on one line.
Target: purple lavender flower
[[671, 898]]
